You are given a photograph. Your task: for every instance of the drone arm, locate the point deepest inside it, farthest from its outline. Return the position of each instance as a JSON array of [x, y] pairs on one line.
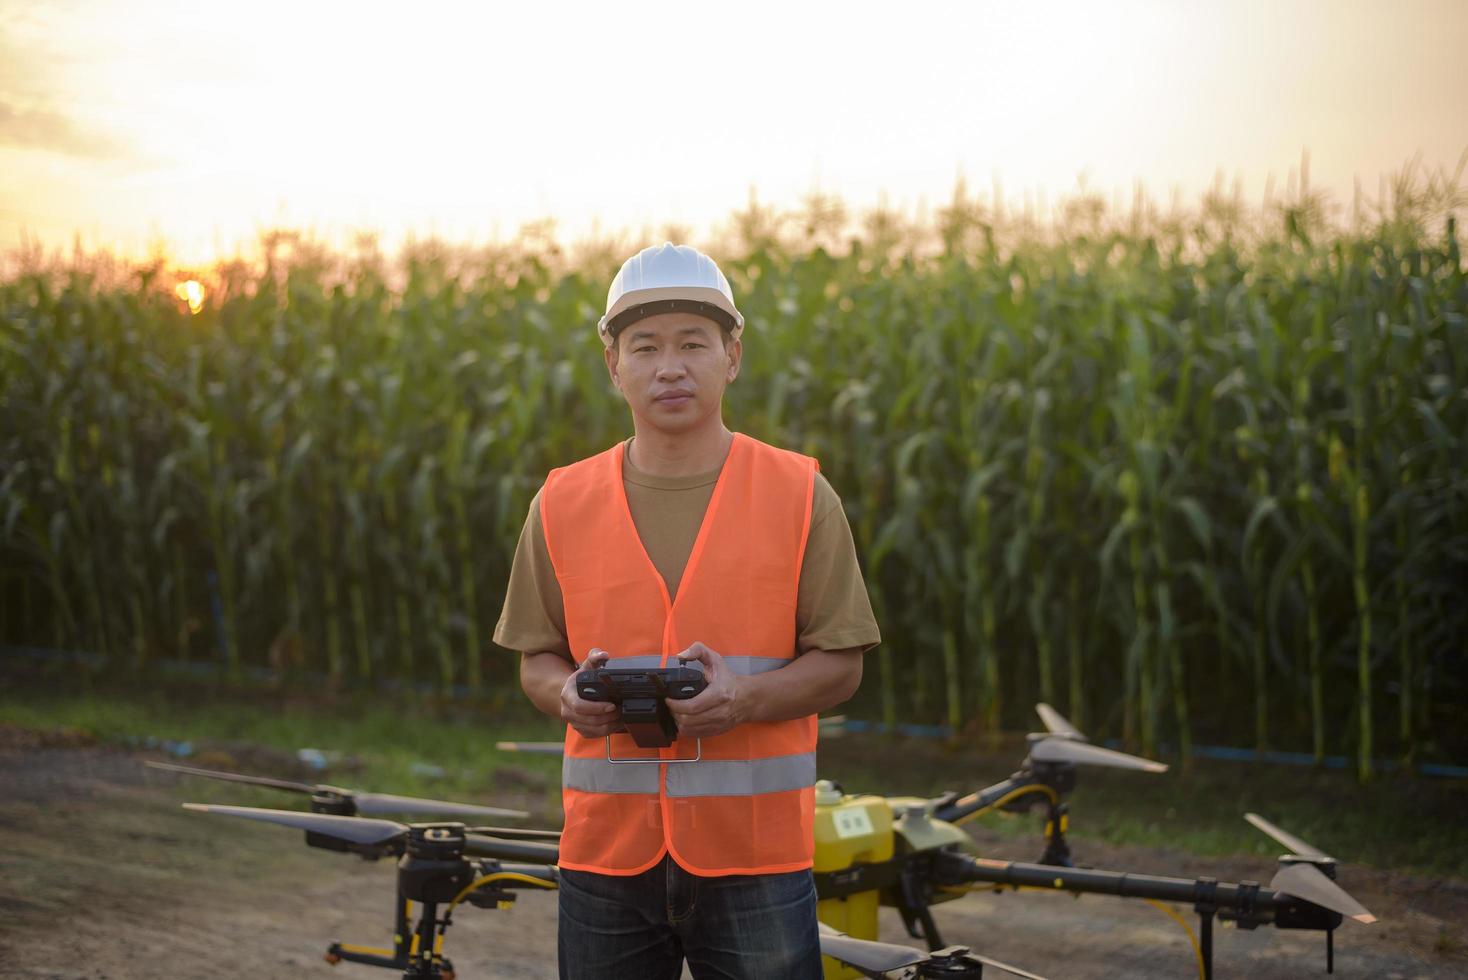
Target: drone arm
[[1247, 898], [537, 852], [968, 807], [1244, 902]]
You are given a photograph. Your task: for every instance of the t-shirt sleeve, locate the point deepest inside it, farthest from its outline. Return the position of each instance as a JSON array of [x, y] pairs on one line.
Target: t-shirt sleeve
[[534, 617], [833, 611]]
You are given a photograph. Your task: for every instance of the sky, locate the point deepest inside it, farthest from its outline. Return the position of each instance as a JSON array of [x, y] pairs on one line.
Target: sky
[[196, 125]]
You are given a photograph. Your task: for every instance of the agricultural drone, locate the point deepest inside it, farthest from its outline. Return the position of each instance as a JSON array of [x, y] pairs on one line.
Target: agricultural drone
[[908, 853]]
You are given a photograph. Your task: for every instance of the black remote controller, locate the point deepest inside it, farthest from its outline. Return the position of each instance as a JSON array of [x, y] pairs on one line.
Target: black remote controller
[[642, 696]]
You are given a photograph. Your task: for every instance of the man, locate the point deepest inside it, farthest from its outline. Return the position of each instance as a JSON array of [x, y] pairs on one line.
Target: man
[[688, 541]]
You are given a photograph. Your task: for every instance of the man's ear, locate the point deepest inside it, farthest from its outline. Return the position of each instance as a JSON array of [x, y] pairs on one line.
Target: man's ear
[[736, 355], [611, 356]]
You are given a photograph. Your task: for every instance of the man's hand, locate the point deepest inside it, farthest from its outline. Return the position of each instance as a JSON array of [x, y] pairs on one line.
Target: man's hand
[[593, 719], [719, 706]]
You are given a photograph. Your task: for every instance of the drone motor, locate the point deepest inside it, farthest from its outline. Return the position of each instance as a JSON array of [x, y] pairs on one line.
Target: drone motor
[[433, 869]]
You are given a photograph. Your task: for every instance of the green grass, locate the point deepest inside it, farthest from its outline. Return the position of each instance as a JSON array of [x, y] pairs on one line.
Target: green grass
[[1400, 824], [381, 742]]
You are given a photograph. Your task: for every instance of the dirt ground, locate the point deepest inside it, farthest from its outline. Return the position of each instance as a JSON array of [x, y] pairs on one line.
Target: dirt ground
[[103, 875]]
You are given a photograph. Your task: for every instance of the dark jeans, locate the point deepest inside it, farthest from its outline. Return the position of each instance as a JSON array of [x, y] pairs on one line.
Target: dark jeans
[[640, 927]]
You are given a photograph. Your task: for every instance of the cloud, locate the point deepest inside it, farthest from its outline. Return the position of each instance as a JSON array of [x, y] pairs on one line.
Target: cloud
[[35, 88], [46, 130]]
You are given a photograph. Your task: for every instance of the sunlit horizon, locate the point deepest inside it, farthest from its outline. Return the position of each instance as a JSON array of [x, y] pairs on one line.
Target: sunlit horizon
[[189, 130]]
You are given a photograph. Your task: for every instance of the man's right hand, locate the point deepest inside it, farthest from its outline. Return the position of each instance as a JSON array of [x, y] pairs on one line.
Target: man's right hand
[[593, 719]]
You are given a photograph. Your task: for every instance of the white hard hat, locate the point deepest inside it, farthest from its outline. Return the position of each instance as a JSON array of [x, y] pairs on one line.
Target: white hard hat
[[668, 278]]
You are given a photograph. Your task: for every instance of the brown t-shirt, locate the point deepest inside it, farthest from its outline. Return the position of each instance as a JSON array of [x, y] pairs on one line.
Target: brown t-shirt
[[832, 608]]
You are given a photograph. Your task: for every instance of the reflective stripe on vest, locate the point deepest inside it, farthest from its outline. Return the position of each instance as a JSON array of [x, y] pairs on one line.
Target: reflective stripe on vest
[[742, 777], [601, 776], [747, 807], [711, 777]]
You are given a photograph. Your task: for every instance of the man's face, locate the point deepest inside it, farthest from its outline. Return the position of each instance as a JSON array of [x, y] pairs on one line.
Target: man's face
[[673, 368]]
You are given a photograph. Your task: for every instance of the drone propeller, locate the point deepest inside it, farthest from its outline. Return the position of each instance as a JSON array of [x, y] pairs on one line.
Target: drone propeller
[[867, 955], [353, 830], [1057, 724], [1310, 883], [1304, 879], [1065, 743], [235, 777], [1000, 965], [1292, 843], [879, 958], [373, 803], [367, 804], [1062, 748]]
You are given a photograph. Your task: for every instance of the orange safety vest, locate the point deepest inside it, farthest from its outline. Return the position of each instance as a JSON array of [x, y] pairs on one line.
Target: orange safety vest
[[748, 806]]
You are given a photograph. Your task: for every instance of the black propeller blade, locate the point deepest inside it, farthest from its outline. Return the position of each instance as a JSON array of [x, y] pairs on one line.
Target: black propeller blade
[[374, 803], [874, 957], [353, 830], [368, 804], [866, 955], [999, 965], [235, 777]]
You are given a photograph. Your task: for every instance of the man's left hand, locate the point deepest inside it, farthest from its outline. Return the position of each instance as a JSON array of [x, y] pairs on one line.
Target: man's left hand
[[719, 706]]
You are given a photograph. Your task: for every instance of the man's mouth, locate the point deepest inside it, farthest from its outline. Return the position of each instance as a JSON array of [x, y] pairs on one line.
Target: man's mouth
[[675, 397]]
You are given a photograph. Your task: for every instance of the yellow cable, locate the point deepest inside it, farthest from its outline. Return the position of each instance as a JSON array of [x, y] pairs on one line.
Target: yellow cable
[[499, 876], [1168, 910], [1012, 794]]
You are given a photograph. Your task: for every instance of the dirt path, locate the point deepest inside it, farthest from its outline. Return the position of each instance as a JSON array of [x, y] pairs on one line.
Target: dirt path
[[103, 875]]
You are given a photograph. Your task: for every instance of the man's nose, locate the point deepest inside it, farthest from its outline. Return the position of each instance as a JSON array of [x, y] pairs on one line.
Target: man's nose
[[671, 365]]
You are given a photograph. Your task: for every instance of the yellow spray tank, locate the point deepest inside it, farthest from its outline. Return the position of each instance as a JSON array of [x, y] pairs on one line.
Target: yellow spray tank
[[851, 831]]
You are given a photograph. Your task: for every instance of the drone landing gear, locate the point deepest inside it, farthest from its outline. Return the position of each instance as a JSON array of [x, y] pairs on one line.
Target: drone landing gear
[[415, 948], [433, 871], [915, 892], [429, 965], [1206, 890], [1057, 851], [397, 957]]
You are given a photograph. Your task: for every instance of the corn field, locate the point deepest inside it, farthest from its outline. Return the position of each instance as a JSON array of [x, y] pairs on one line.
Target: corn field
[[1191, 477]]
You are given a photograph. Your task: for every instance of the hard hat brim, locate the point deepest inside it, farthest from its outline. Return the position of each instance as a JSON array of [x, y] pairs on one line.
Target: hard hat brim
[[637, 304]]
